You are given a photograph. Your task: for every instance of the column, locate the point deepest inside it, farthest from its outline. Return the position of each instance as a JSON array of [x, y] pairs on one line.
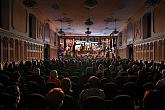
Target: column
[[28, 46], [142, 51], [153, 50], [38, 52], [1, 50], [150, 51], [8, 49], [14, 49], [25, 51], [18, 50], [147, 51], [22, 46], [164, 49], [161, 51], [35, 51]]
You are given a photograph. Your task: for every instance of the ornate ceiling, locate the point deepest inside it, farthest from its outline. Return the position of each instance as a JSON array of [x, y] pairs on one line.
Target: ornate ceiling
[[75, 14]]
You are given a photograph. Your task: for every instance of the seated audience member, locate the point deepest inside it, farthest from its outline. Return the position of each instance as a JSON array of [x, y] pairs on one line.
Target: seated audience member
[[33, 87], [37, 78], [4, 79], [93, 89], [53, 77], [69, 103], [161, 83], [123, 102], [66, 86], [10, 98], [49, 86], [112, 70], [15, 77], [100, 70], [36, 102], [93, 103], [154, 100], [55, 98], [110, 90]]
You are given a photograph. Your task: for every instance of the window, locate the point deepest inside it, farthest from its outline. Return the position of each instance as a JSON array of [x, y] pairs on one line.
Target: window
[[4, 14], [120, 39], [0, 14], [47, 33], [32, 26], [147, 25]]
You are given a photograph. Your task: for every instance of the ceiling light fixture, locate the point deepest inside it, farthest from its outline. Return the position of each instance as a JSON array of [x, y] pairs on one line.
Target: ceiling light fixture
[[88, 22], [29, 3], [61, 32], [88, 32], [115, 30], [90, 3], [152, 2]]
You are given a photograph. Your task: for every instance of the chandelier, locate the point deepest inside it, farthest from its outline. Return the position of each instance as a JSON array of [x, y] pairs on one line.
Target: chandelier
[[88, 32], [115, 30], [90, 3], [152, 2], [61, 32], [88, 22], [29, 3]]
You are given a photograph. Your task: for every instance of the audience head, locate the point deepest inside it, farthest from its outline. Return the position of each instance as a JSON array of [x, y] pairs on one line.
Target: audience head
[[36, 72], [53, 74], [163, 73], [66, 84], [94, 82], [55, 97], [100, 67], [15, 77], [111, 67]]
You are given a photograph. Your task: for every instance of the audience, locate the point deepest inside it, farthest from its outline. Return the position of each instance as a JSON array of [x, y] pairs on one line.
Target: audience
[[83, 83]]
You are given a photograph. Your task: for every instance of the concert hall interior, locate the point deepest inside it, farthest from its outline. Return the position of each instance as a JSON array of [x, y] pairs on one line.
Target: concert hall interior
[[82, 54]]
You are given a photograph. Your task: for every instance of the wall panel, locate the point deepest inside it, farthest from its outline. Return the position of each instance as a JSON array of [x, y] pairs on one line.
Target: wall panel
[[0, 49], [159, 17], [19, 17], [5, 50]]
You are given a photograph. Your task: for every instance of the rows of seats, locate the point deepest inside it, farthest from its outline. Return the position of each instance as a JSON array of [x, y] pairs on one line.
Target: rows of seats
[[83, 83]]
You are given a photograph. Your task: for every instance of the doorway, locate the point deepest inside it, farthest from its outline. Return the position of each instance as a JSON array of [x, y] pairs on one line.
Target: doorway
[[130, 51], [46, 51]]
